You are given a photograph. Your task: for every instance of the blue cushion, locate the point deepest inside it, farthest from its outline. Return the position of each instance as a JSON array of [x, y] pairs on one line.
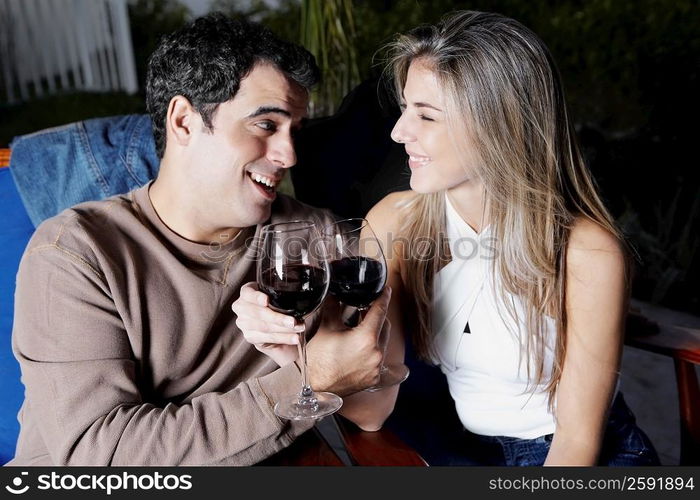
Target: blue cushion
[[15, 231]]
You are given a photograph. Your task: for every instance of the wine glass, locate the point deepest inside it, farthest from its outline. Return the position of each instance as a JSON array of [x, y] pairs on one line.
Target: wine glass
[[293, 272], [358, 276]]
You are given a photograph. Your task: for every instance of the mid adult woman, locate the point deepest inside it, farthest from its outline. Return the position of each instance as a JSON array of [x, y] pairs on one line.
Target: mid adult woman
[[508, 262]]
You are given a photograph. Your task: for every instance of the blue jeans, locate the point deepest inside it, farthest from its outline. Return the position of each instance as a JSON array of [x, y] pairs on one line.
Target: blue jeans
[[59, 167], [624, 444]]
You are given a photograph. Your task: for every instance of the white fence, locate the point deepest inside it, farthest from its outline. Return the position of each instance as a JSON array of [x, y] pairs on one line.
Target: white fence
[[52, 46]]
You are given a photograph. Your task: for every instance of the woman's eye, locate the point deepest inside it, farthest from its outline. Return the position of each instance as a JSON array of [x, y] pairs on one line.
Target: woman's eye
[[426, 118]]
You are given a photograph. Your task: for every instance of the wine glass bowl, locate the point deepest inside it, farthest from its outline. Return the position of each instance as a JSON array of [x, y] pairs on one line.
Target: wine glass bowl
[[358, 267], [293, 272], [294, 289]]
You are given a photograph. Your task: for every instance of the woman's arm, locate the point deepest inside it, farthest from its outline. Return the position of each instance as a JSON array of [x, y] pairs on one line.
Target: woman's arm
[[596, 301], [369, 410]]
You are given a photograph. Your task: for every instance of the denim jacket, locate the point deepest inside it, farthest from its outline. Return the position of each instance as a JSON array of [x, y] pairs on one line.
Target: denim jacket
[[59, 167]]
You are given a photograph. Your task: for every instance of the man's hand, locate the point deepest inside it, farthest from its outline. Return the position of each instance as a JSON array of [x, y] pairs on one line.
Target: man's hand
[[345, 360], [274, 334], [341, 359]]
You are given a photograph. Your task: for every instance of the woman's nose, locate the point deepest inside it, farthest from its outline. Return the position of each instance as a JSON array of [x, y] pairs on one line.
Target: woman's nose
[[401, 132]]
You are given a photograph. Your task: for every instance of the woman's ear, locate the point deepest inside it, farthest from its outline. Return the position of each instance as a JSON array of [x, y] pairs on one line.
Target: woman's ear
[[180, 120]]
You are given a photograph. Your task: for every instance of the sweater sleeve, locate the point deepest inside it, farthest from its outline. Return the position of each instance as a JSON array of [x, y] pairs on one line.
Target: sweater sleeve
[[82, 388]]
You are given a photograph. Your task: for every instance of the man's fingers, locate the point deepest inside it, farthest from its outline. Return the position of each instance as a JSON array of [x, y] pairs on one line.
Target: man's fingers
[[250, 292], [377, 313], [269, 316], [267, 339], [253, 305], [248, 323]]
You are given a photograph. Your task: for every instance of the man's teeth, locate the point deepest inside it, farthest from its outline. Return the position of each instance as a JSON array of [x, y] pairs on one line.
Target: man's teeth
[[420, 159], [263, 180]]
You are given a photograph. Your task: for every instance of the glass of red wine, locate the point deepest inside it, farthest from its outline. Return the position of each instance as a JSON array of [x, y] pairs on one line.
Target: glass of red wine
[[358, 276], [293, 272]]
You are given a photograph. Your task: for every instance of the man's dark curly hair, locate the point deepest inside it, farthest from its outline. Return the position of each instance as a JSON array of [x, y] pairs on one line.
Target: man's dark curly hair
[[206, 60]]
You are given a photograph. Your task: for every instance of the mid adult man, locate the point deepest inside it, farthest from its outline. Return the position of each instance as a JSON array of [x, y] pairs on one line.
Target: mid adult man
[[123, 323]]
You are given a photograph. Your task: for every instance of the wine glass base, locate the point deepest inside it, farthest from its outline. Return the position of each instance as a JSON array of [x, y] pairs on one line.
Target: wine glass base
[[390, 375], [325, 404]]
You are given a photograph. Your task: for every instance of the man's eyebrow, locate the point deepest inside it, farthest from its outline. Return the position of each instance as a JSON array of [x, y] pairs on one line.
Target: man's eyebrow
[[263, 110]]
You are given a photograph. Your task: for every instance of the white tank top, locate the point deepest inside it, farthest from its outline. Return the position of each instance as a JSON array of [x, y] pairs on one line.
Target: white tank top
[[484, 370]]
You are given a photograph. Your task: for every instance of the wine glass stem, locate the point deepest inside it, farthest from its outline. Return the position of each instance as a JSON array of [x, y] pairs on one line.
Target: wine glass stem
[[306, 392], [361, 312]]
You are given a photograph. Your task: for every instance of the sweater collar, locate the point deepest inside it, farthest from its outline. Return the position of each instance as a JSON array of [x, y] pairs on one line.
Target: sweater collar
[[207, 254]]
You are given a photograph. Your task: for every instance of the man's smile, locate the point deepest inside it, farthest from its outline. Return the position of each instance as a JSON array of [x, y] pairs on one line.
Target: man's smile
[[266, 185]]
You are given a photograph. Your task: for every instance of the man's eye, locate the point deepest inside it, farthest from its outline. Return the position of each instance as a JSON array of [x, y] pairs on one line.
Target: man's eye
[[267, 125]]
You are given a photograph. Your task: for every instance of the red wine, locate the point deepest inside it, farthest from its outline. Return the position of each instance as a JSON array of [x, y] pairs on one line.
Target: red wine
[[357, 281], [297, 292]]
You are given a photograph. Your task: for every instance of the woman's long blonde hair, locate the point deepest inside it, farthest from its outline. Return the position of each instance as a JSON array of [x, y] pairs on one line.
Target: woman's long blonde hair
[[503, 90]]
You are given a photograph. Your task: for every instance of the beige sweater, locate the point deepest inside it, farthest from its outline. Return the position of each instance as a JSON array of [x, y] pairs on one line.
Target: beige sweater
[[128, 346]]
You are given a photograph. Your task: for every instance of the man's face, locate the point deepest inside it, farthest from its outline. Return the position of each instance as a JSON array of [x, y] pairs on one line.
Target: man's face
[[236, 168]]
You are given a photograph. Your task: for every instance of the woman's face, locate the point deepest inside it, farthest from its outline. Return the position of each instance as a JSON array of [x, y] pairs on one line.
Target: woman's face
[[433, 157]]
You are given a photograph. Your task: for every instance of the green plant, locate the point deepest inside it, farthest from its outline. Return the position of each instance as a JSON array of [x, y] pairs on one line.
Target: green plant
[[328, 32]]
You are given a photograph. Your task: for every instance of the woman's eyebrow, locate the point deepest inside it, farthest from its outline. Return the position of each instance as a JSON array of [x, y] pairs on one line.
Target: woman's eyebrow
[[420, 104], [426, 105]]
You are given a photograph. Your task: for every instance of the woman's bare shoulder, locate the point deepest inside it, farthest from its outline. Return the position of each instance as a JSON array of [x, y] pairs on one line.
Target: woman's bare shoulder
[[386, 213], [593, 248], [588, 236]]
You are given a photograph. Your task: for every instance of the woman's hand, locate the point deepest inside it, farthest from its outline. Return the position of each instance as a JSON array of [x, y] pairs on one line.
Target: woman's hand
[[274, 334]]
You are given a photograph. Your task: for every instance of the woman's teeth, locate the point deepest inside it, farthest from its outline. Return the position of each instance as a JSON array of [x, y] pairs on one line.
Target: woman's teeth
[[419, 159]]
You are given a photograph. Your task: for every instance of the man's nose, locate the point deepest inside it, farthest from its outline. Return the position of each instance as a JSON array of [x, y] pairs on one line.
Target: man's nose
[[282, 152]]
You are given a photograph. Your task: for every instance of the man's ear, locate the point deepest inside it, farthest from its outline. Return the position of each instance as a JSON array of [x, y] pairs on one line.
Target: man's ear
[[181, 119]]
